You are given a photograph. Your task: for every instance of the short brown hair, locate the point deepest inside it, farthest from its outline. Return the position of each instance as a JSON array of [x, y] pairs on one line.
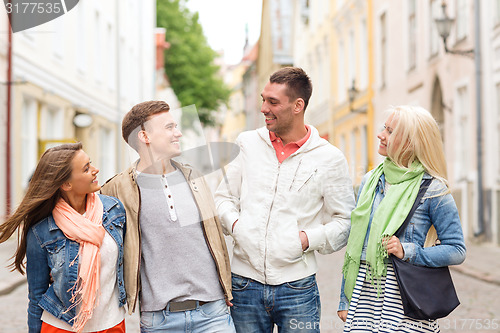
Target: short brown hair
[[139, 114], [298, 83]]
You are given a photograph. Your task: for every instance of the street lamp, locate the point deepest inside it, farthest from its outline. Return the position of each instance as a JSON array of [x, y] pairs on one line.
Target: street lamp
[[443, 26], [352, 92]]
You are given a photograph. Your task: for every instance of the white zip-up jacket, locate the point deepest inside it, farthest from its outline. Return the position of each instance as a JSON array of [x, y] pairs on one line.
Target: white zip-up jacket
[[310, 191]]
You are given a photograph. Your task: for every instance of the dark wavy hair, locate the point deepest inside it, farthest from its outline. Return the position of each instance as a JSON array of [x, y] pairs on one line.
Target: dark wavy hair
[[52, 171]]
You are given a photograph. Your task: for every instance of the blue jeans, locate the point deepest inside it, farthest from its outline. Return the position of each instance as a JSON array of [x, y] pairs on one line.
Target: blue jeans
[[294, 307], [210, 317]]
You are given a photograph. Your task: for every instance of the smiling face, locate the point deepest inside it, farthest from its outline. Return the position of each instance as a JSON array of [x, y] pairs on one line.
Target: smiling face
[[277, 108], [385, 135], [162, 136], [83, 178]]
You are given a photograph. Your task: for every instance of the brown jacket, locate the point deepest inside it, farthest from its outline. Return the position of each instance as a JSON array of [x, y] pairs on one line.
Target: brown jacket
[[124, 187]]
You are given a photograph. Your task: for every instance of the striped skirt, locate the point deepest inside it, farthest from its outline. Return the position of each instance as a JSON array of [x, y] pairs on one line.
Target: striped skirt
[[369, 313]]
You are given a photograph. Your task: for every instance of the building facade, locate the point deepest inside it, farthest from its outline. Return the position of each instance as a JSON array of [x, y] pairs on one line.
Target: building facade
[[312, 52], [490, 43], [352, 74], [4, 87], [276, 40], [412, 68], [79, 74]]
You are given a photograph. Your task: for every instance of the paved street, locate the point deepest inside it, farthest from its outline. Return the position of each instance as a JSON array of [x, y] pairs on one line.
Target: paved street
[[479, 311]]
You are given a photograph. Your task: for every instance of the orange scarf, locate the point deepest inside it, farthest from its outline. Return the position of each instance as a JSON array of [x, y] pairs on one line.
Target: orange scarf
[[89, 233]]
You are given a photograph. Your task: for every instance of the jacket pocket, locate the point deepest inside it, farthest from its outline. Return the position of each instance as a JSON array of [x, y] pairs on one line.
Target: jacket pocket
[[56, 252], [239, 282], [285, 245], [301, 181], [116, 227], [57, 256], [304, 283]]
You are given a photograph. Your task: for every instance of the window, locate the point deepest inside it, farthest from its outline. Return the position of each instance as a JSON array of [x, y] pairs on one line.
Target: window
[[341, 73], [123, 68], [81, 43], [461, 134], [320, 75], [364, 151], [352, 58], [412, 34], [29, 140], [343, 144], [363, 75], [52, 120], [107, 154], [59, 33], [109, 57], [383, 50], [461, 19], [434, 35], [496, 12], [98, 48], [498, 127], [352, 155], [340, 3], [326, 70]]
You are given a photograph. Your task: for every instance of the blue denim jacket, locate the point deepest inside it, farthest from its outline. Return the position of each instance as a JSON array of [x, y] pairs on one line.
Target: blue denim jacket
[[50, 254], [434, 209]]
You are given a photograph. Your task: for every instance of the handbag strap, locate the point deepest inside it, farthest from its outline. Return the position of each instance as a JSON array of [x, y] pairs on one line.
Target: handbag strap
[[421, 192]]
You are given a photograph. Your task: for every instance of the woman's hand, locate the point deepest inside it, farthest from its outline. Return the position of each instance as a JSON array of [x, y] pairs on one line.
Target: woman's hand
[[342, 315], [394, 247]]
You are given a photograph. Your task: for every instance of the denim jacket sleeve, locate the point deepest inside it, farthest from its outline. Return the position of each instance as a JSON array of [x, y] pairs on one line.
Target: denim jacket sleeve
[[38, 274], [441, 212], [344, 302]]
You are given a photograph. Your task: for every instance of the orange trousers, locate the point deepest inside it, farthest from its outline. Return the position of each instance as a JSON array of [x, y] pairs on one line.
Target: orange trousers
[[120, 328]]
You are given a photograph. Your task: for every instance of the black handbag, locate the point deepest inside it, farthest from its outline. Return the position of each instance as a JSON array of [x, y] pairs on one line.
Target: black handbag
[[427, 293]]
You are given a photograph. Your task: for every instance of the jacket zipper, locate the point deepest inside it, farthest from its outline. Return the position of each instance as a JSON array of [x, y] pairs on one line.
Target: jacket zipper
[[268, 220], [308, 179], [295, 175]]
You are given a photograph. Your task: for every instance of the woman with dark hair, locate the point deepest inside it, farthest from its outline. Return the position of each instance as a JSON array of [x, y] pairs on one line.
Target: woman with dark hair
[[72, 239]]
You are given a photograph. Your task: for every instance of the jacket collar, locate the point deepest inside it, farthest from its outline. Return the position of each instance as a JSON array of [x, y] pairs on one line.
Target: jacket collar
[[313, 142], [184, 168]]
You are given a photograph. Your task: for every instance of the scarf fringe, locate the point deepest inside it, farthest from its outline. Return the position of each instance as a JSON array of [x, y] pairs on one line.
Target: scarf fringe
[[82, 316], [374, 271]]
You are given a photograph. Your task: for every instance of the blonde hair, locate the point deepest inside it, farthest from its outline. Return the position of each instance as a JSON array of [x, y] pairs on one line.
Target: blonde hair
[[418, 137]]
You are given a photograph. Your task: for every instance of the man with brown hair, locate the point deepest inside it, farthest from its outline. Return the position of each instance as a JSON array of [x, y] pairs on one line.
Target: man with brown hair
[[288, 194], [175, 256]]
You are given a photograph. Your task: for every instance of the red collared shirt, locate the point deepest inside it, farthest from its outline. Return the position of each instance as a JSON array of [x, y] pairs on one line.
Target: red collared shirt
[[283, 152]]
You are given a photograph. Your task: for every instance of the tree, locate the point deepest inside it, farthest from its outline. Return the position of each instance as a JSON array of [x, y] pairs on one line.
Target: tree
[[189, 62]]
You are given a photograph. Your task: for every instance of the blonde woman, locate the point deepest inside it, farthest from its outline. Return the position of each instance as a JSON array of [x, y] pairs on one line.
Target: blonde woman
[[370, 298], [72, 239]]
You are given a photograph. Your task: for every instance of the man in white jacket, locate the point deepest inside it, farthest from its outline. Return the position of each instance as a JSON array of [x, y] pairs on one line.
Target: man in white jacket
[[286, 195]]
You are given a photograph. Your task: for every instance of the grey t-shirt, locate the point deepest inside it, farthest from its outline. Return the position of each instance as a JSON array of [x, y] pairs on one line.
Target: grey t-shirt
[[176, 263]]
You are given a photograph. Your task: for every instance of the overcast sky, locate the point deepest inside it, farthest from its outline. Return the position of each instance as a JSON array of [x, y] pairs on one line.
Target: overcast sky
[[224, 23]]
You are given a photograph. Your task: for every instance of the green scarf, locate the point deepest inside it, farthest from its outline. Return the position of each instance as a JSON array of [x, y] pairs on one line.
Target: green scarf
[[387, 219]]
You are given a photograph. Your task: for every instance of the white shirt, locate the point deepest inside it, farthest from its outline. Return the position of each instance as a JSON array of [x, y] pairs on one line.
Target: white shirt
[[108, 312]]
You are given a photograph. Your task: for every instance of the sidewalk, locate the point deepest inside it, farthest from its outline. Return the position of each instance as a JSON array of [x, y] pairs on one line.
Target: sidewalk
[[482, 263], [9, 280]]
